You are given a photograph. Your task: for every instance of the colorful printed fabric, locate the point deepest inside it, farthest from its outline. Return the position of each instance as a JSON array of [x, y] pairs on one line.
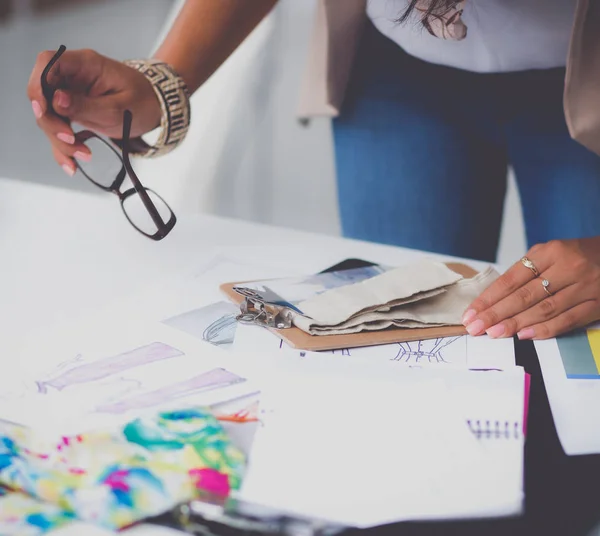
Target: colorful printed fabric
[[22, 515], [113, 479]]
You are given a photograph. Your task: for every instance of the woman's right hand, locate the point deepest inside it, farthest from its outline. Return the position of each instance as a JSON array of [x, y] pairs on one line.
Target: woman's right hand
[[94, 91]]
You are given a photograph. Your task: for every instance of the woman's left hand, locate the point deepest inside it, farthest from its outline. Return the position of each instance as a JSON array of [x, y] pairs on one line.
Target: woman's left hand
[[518, 302]]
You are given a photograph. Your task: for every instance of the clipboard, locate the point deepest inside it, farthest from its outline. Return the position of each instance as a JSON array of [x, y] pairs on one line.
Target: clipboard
[[301, 340]]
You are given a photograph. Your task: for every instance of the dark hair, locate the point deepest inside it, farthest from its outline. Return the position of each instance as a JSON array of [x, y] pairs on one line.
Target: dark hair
[[436, 9]]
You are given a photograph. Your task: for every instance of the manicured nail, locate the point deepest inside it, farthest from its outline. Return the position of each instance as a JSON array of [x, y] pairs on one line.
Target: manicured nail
[[496, 331], [63, 99], [525, 334], [69, 170], [475, 328], [67, 138], [79, 155], [37, 109], [468, 316]]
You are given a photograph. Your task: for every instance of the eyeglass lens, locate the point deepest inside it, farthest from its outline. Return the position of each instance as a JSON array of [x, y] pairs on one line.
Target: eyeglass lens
[[144, 209], [104, 166], [138, 214]]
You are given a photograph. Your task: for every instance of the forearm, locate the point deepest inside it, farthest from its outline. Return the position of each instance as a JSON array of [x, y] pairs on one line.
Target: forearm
[[206, 32]]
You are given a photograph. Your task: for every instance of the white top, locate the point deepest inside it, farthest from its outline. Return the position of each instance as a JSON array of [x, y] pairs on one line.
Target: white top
[[503, 35]]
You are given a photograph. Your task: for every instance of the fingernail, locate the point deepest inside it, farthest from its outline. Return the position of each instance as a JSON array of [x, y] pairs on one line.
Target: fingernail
[[468, 316], [63, 99], [475, 328], [527, 333], [37, 109], [79, 155], [69, 170], [67, 138], [496, 331]]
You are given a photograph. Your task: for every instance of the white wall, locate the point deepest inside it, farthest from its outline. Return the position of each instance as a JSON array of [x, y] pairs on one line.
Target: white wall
[[248, 157], [105, 26]]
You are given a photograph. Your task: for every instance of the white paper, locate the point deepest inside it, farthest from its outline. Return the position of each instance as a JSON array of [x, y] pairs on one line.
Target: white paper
[[463, 352], [193, 291], [363, 454], [215, 323], [575, 403], [297, 289], [84, 379]]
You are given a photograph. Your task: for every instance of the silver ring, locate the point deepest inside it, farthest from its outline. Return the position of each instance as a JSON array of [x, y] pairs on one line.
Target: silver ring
[[546, 284], [528, 264]]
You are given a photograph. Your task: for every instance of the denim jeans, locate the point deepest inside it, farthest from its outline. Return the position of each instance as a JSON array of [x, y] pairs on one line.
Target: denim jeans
[[422, 152]]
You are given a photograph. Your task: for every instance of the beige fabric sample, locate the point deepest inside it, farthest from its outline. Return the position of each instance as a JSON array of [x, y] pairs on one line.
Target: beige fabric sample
[[412, 307], [399, 285]]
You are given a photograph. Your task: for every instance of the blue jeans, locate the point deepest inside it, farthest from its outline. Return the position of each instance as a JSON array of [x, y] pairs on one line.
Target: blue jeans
[[422, 152]]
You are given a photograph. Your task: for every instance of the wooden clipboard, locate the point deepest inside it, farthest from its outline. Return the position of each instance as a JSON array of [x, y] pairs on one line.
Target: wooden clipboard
[[297, 338]]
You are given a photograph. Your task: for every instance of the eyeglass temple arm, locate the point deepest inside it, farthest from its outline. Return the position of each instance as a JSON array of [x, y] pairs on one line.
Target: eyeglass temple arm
[[47, 90], [150, 207]]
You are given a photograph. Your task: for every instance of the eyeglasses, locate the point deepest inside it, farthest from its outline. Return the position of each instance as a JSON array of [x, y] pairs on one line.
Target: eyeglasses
[[147, 211]]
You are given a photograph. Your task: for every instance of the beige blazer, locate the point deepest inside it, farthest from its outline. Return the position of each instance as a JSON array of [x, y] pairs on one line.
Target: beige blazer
[[336, 33]]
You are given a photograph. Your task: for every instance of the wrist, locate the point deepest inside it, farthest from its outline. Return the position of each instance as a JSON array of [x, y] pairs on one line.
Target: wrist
[[168, 107], [590, 247]]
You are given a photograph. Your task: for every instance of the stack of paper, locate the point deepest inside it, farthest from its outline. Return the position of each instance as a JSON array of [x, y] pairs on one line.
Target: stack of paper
[[79, 379], [364, 452], [420, 430]]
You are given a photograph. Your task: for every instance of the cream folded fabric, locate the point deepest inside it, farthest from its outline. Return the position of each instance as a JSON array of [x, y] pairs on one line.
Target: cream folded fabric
[[423, 294]]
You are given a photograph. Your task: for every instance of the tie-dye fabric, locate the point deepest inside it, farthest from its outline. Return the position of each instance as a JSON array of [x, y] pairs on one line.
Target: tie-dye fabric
[[113, 478]]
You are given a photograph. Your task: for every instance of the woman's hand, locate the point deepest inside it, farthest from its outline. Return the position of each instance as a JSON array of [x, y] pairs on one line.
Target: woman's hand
[[94, 92], [516, 303]]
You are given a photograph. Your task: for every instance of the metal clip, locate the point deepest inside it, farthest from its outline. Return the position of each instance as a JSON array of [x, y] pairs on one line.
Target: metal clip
[[218, 517], [260, 312]]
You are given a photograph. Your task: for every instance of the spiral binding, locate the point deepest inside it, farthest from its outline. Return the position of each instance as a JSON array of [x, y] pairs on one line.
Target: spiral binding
[[495, 429]]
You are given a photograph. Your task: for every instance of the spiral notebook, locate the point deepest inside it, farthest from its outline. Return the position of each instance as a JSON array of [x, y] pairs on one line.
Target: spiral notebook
[[498, 419], [501, 411]]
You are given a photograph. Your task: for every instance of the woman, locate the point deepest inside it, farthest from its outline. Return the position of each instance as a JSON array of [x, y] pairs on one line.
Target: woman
[[432, 116]]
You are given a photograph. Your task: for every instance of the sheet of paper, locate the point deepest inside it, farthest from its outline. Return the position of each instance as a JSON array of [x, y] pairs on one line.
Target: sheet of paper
[[450, 352], [482, 397], [82, 380], [214, 323], [396, 454], [571, 370], [186, 292], [297, 289], [187, 309], [493, 404]]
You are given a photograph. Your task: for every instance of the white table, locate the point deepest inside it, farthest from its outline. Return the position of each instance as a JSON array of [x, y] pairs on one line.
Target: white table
[[65, 254]]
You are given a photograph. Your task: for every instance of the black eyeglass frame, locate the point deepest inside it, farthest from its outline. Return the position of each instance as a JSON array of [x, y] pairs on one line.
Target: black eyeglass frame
[[163, 227]]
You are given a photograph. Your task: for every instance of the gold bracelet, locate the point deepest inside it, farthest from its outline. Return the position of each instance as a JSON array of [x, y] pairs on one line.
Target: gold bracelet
[[173, 95]]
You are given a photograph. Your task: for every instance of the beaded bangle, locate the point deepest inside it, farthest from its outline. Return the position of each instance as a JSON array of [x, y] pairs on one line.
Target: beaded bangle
[[174, 101]]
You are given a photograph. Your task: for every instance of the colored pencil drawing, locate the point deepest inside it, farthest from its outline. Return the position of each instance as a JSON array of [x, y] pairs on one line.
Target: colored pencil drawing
[[441, 351], [434, 351], [214, 379], [76, 371], [480, 353], [215, 323], [108, 390], [430, 351]]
